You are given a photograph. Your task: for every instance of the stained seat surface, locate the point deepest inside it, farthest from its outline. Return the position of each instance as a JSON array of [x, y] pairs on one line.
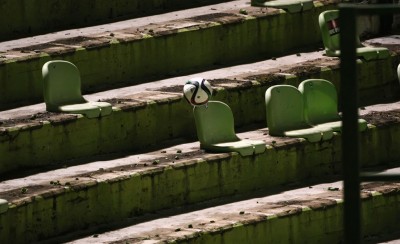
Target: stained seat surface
[[216, 133], [87, 109], [62, 91], [285, 115], [321, 105], [398, 72], [367, 53], [292, 6]]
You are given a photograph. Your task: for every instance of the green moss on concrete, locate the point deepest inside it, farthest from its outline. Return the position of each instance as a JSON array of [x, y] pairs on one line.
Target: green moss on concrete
[[169, 118], [134, 61], [272, 230], [379, 216], [385, 140], [123, 131], [3, 206], [114, 196], [21, 18]]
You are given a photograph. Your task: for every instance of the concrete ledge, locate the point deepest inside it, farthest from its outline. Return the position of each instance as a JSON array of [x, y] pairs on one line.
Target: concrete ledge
[[148, 118], [48, 209], [21, 18], [132, 56], [313, 219]]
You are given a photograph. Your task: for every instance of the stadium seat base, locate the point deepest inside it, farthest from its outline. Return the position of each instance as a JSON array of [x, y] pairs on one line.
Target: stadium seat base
[[292, 6]]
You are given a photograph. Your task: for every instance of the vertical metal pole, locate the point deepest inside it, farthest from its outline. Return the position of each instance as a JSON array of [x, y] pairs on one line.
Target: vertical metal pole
[[349, 90]]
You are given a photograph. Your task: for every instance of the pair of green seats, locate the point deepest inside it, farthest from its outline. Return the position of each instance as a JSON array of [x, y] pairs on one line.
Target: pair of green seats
[[330, 31], [62, 91], [307, 112]]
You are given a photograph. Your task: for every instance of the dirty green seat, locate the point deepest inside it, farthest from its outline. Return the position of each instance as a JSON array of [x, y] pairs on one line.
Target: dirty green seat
[[285, 115], [3, 206], [398, 72], [216, 133], [62, 91], [292, 6], [320, 105], [330, 31]]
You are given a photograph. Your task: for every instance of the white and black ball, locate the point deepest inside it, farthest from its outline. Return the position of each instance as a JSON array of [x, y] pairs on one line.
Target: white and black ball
[[197, 91]]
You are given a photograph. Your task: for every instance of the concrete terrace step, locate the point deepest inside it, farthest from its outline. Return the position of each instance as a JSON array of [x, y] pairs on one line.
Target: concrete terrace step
[[110, 190], [21, 18], [140, 53], [95, 177], [146, 118], [311, 214], [113, 26]]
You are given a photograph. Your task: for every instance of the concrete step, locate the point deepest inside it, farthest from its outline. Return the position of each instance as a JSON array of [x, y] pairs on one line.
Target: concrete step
[[311, 214], [22, 18], [140, 52], [112, 189], [90, 174], [146, 115]]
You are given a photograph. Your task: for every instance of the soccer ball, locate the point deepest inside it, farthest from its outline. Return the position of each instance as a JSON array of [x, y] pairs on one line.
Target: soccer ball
[[197, 91]]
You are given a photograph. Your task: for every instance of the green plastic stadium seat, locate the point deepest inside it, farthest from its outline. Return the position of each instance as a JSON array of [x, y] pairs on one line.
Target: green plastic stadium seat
[[216, 133], [3, 206], [320, 105], [330, 30], [398, 72], [285, 115], [62, 91], [292, 6]]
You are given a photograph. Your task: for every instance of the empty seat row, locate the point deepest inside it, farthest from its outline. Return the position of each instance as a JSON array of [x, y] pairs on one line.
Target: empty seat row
[[309, 111], [62, 88], [66, 96]]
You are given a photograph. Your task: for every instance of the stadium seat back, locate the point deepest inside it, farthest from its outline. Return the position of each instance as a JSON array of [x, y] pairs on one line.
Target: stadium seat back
[[216, 132], [320, 101]]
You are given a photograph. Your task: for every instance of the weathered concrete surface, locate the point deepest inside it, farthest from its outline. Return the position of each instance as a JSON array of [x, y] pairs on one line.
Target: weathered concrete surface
[[231, 72], [311, 214], [135, 55], [156, 116], [21, 18], [126, 188]]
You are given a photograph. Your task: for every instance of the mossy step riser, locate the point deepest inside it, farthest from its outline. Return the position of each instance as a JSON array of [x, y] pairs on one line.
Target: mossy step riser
[[379, 216], [21, 18], [122, 131], [115, 63], [155, 122], [118, 195]]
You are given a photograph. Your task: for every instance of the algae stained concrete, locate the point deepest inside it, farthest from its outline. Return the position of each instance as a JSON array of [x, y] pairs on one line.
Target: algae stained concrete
[[113, 194], [132, 56], [149, 111], [312, 213], [44, 16]]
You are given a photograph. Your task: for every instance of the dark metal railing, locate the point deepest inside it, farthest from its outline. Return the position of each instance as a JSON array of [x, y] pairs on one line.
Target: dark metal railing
[[350, 141]]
